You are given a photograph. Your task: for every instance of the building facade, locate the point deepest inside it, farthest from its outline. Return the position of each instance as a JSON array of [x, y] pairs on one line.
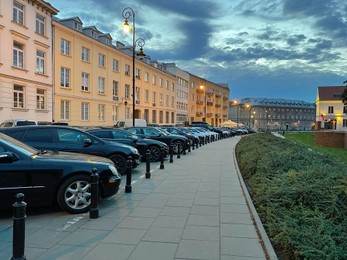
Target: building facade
[[26, 80], [208, 101], [331, 112], [93, 80], [182, 92], [263, 114]]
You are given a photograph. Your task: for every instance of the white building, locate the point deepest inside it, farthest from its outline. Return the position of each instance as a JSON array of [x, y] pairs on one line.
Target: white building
[[26, 77], [331, 112]]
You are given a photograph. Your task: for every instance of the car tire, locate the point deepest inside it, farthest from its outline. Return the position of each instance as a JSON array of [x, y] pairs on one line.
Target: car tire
[[120, 162], [155, 153], [74, 194], [178, 146]]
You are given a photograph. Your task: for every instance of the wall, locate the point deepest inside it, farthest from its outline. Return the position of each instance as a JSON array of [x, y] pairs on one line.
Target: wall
[[331, 139]]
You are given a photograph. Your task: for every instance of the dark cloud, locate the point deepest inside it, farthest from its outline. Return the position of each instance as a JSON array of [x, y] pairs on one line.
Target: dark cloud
[[305, 7], [296, 39]]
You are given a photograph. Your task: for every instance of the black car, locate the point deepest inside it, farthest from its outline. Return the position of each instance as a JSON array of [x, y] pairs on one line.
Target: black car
[[68, 139], [178, 131], [179, 142], [124, 137], [47, 177]]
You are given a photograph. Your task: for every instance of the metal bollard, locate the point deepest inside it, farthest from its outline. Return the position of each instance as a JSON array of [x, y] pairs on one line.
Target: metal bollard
[[171, 153], [193, 145], [184, 150], [19, 215], [178, 150], [128, 180], [148, 164], [162, 154], [94, 183], [189, 146]]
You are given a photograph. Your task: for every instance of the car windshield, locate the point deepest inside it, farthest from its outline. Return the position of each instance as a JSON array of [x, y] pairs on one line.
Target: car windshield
[[163, 131], [18, 145]]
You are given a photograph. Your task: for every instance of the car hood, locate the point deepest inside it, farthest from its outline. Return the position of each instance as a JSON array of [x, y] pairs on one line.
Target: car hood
[[66, 156], [152, 141]]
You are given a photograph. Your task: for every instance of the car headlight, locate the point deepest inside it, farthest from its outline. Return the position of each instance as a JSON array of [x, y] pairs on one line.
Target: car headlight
[[134, 150], [114, 170]]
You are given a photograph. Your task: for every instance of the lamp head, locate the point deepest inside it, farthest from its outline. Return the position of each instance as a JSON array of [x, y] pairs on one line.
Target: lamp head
[[141, 54], [126, 27]]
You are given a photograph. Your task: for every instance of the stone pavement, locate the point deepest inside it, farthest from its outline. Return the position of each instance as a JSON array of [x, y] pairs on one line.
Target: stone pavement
[[195, 208]]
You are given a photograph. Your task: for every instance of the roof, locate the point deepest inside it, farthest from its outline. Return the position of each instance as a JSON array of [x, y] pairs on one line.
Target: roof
[[330, 92], [276, 102]]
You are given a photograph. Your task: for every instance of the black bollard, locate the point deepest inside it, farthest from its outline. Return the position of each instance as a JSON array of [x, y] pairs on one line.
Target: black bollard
[[184, 150], [148, 164], [178, 150], [189, 145], [19, 215], [162, 154], [171, 153], [128, 180], [94, 183], [193, 144]]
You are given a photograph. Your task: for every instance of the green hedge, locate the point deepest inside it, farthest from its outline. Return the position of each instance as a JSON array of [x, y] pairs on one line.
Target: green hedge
[[300, 195]]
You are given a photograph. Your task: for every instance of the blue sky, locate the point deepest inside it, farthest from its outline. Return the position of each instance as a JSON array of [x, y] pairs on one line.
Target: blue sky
[[261, 48]]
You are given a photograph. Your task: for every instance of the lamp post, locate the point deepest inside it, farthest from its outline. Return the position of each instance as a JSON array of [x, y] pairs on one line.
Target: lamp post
[[236, 103], [127, 13]]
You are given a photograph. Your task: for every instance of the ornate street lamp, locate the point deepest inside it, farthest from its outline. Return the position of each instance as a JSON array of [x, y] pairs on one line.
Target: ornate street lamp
[[127, 13], [202, 87]]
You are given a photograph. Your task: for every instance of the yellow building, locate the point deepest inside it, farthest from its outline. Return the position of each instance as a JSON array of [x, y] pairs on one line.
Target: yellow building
[[93, 80], [208, 101]]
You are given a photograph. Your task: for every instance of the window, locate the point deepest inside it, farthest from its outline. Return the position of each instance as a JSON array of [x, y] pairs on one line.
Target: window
[[40, 24], [167, 100], [115, 65], [137, 94], [160, 82], [161, 98], [127, 113], [344, 122], [137, 73], [18, 13], [84, 111], [172, 101], [40, 62], [127, 69], [114, 113], [77, 26], [85, 54], [18, 96], [40, 99], [146, 95], [38, 135], [101, 60], [154, 116], [154, 79], [330, 109], [101, 85], [85, 81], [65, 110], [18, 55], [101, 112], [345, 109], [172, 86], [146, 76], [167, 118], [64, 47], [161, 117], [115, 90], [64, 77], [154, 97], [127, 91], [172, 117], [166, 84]]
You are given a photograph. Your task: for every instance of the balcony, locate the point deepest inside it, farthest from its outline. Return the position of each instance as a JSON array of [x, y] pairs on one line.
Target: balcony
[[225, 115], [199, 102], [209, 103], [218, 105], [209, 114], [137, 102], [225, 107], [225, 98], [199, 113], [218, 96], [217, 115]]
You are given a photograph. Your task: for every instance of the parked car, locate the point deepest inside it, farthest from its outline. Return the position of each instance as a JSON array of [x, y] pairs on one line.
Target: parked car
[[46, 177], [180, 142], [19, 122], [68, 139], [178, 131], [124, 137]]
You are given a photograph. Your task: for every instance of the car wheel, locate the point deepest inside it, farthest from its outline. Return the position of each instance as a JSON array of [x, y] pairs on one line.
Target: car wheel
[[120, 162], [155, 153], [74, 194], [178, 146]]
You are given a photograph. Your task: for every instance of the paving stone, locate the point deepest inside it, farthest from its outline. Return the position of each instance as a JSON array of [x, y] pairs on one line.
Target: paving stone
[[163, 234], [109, 252], [206, 233], [154, 250], [238, 230], [197, 249], [130, 236], [247, 247]]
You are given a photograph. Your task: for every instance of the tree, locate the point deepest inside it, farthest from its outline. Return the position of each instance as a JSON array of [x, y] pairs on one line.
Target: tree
[[344, 94]]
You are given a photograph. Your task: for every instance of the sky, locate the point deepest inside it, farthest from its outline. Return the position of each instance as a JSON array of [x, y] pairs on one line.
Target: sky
[[261, 48]]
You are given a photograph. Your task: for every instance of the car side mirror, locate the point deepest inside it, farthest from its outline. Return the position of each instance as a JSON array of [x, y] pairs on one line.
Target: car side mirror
[[135, 138], [7, 157], [87, 142]]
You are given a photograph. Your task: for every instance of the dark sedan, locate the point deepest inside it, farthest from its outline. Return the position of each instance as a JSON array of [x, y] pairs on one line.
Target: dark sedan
[[178, 131], [68, 139], [47, 178], [124, 137], [179, 142]]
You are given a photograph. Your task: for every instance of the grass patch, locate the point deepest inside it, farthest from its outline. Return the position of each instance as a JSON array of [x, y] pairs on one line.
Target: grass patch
[[307, 139], [300, 196]]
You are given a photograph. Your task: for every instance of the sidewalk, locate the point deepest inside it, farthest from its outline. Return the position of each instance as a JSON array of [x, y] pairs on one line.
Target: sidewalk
[[195, 208]]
